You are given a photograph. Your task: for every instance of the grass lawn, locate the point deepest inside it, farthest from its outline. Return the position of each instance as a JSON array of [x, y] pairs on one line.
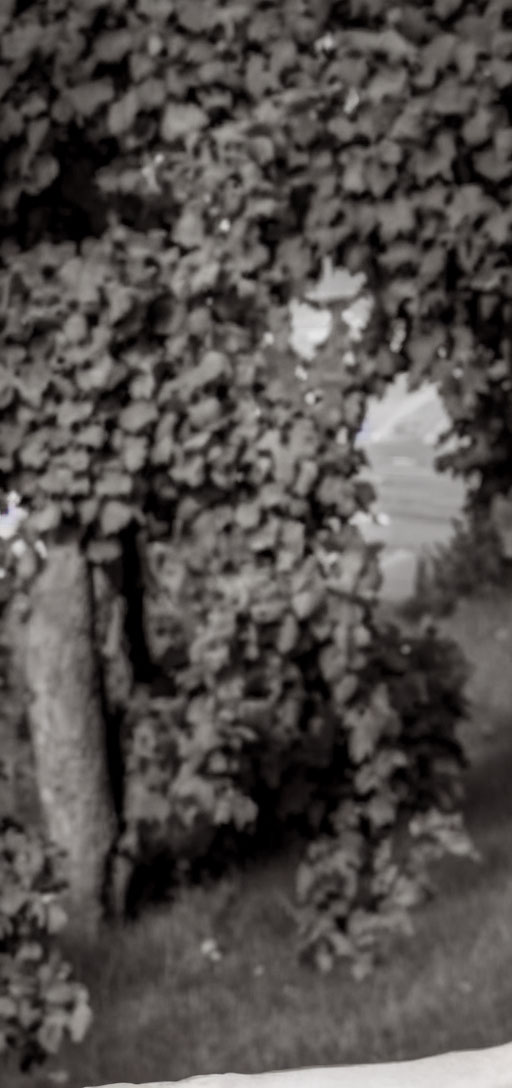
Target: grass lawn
[[163, 1011]]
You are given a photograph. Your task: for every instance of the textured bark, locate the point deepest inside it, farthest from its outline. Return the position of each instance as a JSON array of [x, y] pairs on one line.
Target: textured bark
[[68, 729]]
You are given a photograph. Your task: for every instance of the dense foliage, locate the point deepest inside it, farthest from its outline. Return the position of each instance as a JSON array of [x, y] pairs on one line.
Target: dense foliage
[[40, 1001], [238, 143], [175, 174]]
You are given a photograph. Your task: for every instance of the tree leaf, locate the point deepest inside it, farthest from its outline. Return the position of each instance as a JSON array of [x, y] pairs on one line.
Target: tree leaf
[[113, 483], [248, 515], [179, 119], [80, 1021], [478, 128], [122, 114], [115, 516], [87, 98], [189, 229], [213, 367], [387, 83], [134, 454], [288, 635], [137, 416], [112, 45], [96, 377], [50, 1034], [396, 217], [197, 18], [491, 166], [466, 55]]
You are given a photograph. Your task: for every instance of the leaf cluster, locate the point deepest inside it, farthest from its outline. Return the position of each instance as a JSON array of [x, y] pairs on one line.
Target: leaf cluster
[[174, 176], [40, 1002]]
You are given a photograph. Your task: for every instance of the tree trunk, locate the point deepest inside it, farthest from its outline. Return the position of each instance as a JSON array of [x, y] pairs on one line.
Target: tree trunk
[[68, 728]]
